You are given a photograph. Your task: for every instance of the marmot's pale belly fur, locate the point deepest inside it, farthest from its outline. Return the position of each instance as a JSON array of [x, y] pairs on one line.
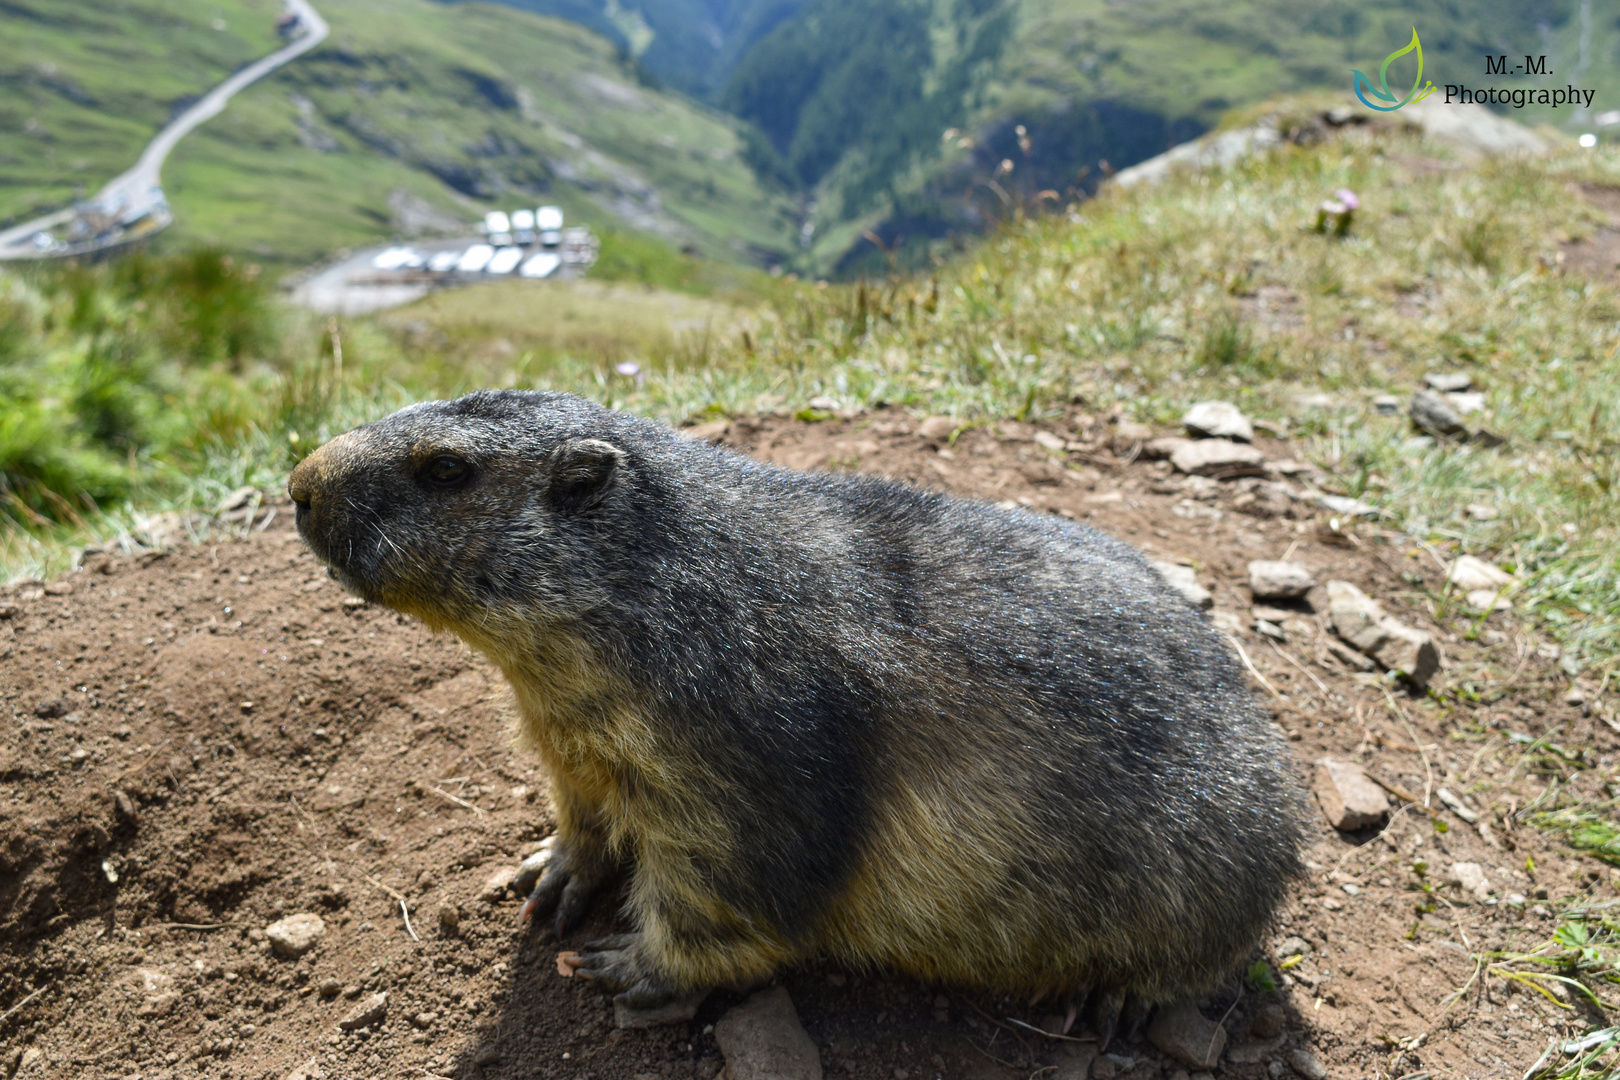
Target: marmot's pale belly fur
[[821, 715]]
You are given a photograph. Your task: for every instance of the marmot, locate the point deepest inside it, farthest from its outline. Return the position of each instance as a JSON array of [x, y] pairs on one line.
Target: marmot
[[818, 715]]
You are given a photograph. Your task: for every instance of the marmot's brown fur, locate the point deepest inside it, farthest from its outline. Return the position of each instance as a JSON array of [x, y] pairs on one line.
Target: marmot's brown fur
[[822, 715]]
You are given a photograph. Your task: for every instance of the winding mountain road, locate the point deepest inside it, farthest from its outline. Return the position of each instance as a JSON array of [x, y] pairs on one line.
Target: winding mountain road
[[136, 196]]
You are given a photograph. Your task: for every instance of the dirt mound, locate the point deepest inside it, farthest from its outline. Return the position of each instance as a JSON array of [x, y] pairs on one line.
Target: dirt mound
[[199, 742]]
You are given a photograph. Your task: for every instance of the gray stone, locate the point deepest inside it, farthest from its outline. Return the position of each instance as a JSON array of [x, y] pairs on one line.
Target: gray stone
[[677, 1011], [1387, 405], [309, 1070], [1344, 504], [762, 1039], [1219, 458], [1411, 654], [1433, 413], [1306, 1064], [1349, 656], [1270, 580], [1349, 800], [1218, 420], [937, 428], [367, 1012], [1356, 617], [1448, 382], [1185, 582], [295, 935], [498, 884], [1473, 402], [1187, 1035], [1165, 446]]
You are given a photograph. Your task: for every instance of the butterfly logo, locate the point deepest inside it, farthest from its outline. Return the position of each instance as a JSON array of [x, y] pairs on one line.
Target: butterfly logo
[[1381, 92]]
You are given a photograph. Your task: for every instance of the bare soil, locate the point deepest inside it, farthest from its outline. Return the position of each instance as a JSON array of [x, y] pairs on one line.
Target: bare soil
[[200, 740]]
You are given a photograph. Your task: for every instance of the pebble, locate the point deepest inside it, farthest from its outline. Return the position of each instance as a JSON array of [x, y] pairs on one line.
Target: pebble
[[1291, 946], [1272, 580], [762, 1039], [1266, 628], [1074, 1061], [1306, 1064], [1048, 441], [1467, 403], [295, 935], [1349, 800], [498, 884], [1387, 404], [1102, 1068], [1128, 435], [1433, 413], [449, 918], [366, 1012], [1350, 656], [1184, 581], [1220, 458], [1187, 1035], [1448, 382], [1344, 504], [937, 428], [1165, 446], [1218, 420], [309, 1070], [329, 988], [1472, 574]]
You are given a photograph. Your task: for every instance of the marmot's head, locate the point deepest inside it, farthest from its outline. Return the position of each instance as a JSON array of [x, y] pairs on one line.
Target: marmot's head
[[472, 512]]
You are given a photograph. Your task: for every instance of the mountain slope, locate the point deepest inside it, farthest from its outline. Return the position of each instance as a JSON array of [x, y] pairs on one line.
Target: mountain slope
[[856, 119], [416, 111]]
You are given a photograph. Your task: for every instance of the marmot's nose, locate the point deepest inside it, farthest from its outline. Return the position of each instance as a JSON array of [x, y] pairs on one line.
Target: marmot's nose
[[300, 484]]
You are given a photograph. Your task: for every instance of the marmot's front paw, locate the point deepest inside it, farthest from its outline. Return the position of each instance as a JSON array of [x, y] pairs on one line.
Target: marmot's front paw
[[616, 965], [565, 883]]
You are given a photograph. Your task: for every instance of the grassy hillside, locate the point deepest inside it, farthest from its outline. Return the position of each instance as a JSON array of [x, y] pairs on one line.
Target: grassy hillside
[[1089, 80], [84, 86], [412, 109]]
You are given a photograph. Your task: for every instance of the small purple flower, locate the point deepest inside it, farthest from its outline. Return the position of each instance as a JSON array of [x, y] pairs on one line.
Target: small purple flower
[[628, 367], [1348, 197]]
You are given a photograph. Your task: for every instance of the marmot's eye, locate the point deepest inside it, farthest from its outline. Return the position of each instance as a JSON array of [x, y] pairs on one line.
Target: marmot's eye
[[445, 472]]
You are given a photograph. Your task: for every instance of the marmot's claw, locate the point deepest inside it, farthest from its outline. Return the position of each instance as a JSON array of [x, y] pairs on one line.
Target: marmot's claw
[[562, 888], [615, 964], [576, 896]]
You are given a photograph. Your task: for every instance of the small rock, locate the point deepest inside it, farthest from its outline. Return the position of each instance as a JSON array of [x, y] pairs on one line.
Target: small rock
[[1228, 622], [236, 499], [1270, 580], [1471, 876], [762, 1039], [50, 710], [498, 884], [1048, 441], [1360, 621], [1184, 581], [1266, 628], [367, 1011], [1219, 458], [1349, 656], [1411, 654], [1465, 404], [424, 1020], [157, 1005], [309, 1070], [1434, 414], [712, 432], [1165, 446], [1344, 504], [1482, 512], [937, 428], [1269, 1021], [352, 991], [1318, 400], [1458, 807], [1574, 696], [1470, 574], [1448, 382], [59, 588], [295, 935], [1306, 1064], [1129, 435], [488, 1054], [1102, 1068], [677, 1011], [124, 807], [1187, 1035], [1349, 800], [1218, 420], [449, 918], [329, 987], [1387, 405]]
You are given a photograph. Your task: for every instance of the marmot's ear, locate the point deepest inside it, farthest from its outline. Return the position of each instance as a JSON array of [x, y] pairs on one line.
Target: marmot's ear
[[582, 473]]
